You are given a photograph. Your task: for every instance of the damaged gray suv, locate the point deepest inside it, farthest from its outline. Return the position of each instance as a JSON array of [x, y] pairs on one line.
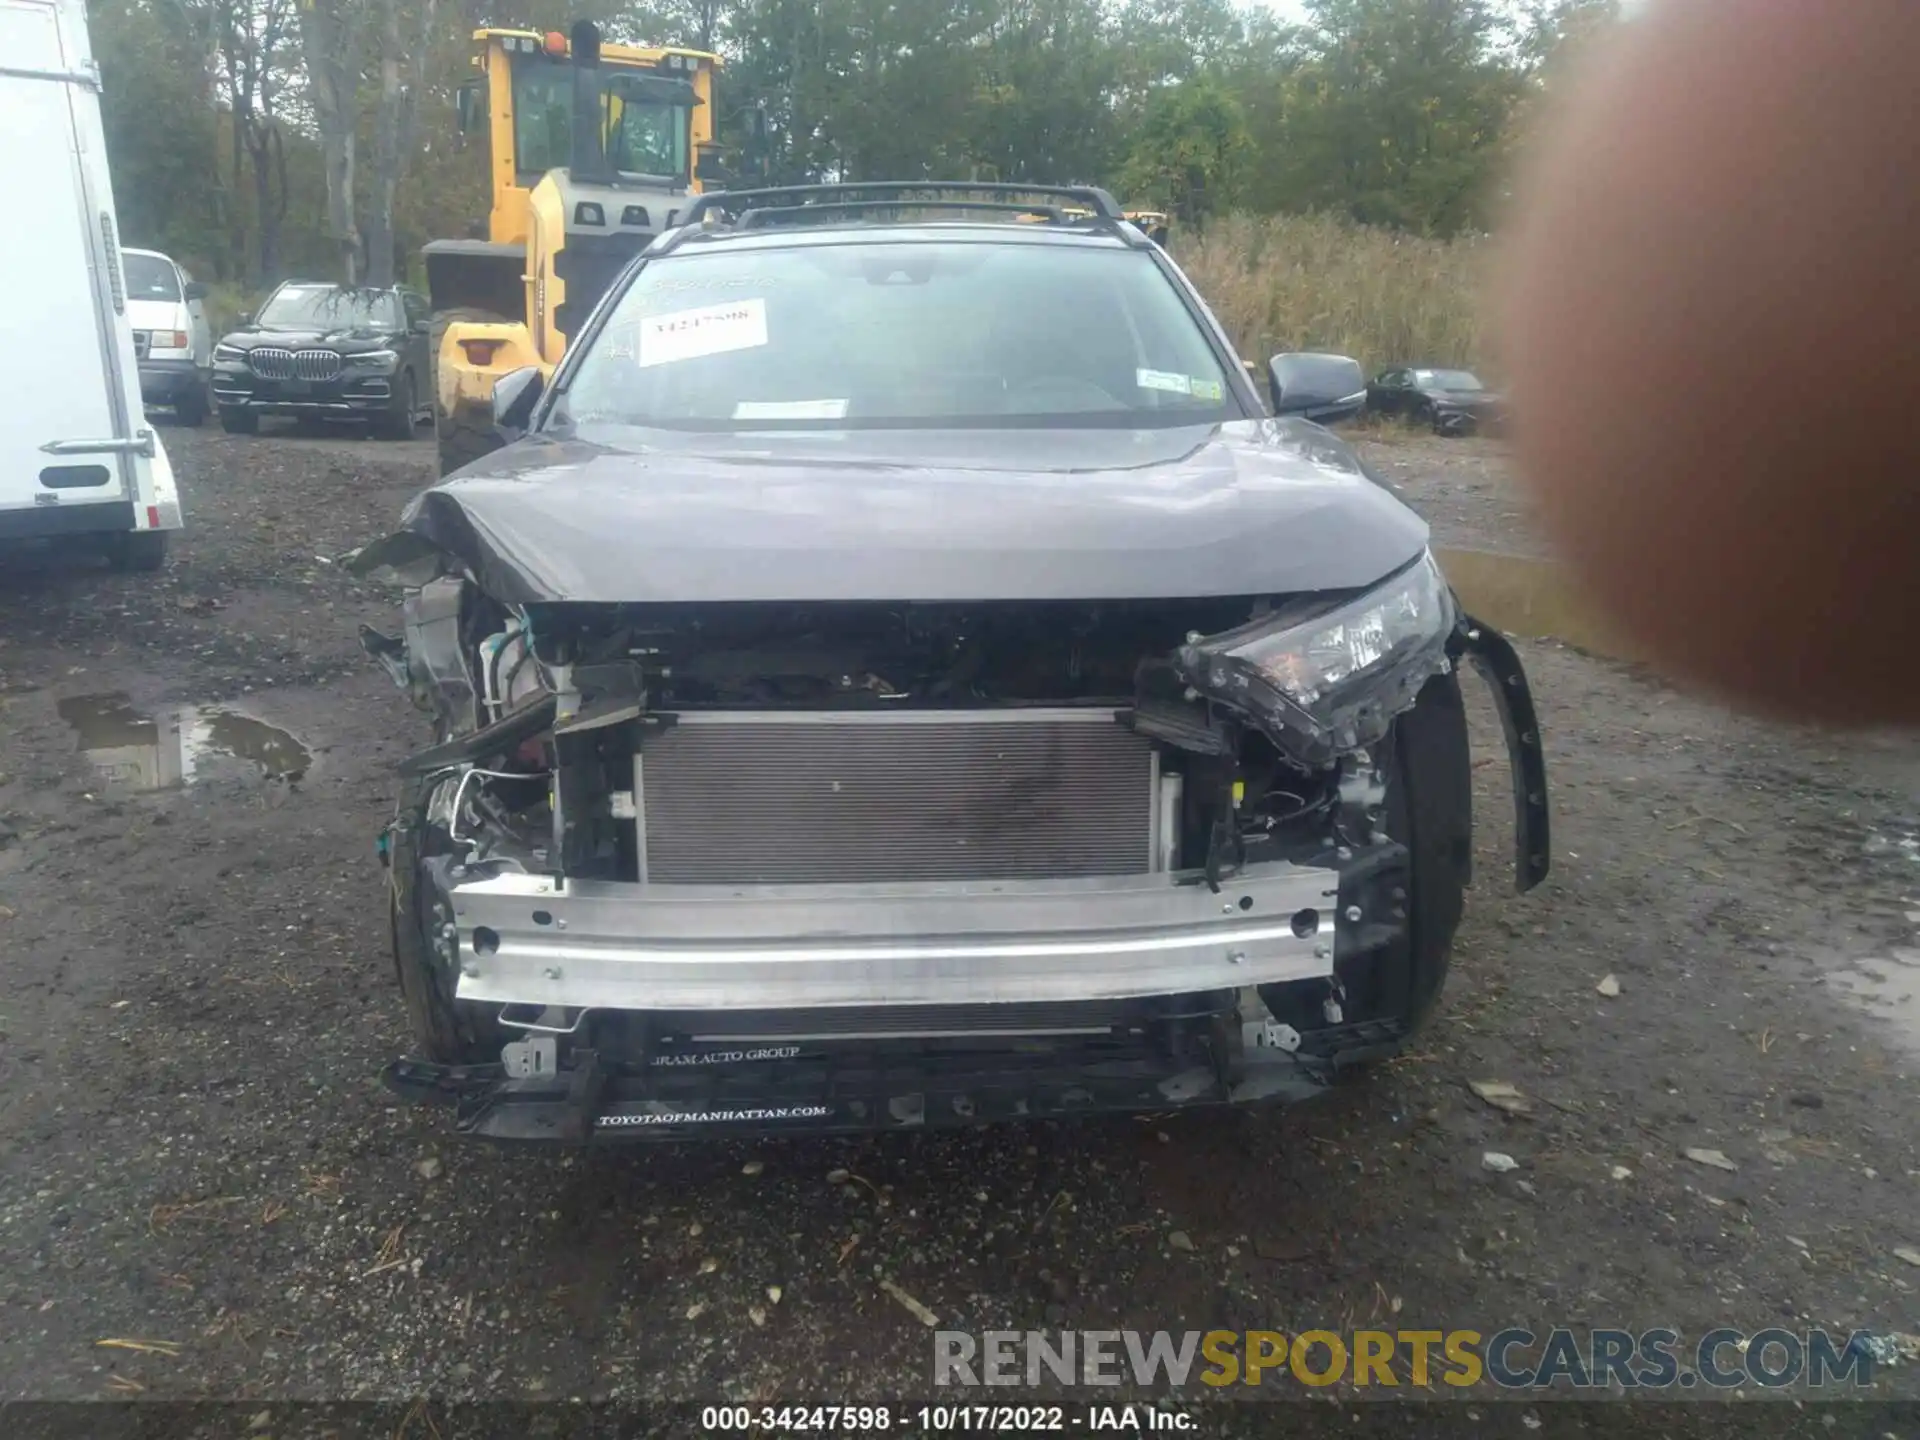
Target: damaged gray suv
[[903, 673]]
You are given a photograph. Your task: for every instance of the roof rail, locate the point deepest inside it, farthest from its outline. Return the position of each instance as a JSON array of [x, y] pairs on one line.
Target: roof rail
[[788, 200], [758, 217]]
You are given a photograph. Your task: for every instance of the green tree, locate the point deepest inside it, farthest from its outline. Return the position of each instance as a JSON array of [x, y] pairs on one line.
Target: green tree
[[157, 108], [1396, 114], [1189, 152]]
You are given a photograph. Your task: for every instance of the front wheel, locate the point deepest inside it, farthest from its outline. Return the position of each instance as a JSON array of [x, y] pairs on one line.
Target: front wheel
[[396, 422], [237, 421], [426, 947]]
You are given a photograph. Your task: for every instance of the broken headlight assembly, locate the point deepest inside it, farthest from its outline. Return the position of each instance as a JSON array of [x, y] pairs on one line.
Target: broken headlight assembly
[[1329, 679]]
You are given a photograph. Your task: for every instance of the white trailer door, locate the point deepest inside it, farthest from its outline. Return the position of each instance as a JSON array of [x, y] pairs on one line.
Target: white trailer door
[[61, 369]]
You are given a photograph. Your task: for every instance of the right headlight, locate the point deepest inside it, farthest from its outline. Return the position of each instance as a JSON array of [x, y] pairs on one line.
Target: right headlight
[[1330, 680], [228, 352]]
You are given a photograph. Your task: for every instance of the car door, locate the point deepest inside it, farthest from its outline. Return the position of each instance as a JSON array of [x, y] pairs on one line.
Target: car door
[[419, 316], [1388, 392]]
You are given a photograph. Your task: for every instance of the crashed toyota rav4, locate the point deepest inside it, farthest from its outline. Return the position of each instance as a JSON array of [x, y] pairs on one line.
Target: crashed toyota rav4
[[901, 673]]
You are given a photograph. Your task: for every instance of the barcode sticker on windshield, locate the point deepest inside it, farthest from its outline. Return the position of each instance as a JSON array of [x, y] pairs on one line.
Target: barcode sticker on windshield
[[790, 410], [708, 330], [1163, 380]]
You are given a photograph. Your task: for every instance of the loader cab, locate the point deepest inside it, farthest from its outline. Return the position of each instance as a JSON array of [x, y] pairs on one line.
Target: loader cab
[[611, 118], [593, 150]]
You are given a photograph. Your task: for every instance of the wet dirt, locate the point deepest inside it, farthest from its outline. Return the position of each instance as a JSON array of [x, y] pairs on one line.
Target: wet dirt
[[176, 746], [194, 1150]]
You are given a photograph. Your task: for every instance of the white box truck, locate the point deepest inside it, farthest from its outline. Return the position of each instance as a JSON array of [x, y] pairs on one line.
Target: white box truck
[[77, 458]]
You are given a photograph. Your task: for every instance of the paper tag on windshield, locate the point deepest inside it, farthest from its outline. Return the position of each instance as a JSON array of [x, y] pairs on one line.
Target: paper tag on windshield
[[1163, 380], [708, 330], [790, 410]]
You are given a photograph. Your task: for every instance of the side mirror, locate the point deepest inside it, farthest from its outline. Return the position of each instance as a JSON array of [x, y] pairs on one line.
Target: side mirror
[[514, 396], [422, 327], [468, 107], [195, 290], [1323, 388], [709, 166]]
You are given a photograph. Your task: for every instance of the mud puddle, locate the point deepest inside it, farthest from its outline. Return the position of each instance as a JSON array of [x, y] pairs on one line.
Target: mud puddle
[[1888, 988], [1535, 599], [139, 750]]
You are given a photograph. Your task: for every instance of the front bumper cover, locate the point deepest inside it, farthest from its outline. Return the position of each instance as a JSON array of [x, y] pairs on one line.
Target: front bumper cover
[[357, 395]]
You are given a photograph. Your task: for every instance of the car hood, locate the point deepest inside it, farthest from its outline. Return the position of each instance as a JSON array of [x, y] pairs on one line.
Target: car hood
[[1255, 507], [346, 339]]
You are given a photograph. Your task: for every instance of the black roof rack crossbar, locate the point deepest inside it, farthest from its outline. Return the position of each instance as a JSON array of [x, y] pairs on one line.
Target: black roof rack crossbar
[[760, 216], [873, 192]]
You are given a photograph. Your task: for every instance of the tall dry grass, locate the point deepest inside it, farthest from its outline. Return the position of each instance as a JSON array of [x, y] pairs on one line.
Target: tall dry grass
[[1311, 282]]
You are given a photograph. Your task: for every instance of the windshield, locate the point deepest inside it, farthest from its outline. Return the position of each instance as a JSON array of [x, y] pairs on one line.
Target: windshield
[[641, 136], [866, 335], [150, 277], [328, 307], [1448, 380], [645, 137]]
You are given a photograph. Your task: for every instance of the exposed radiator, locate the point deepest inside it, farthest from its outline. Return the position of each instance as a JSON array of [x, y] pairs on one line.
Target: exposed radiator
[[813, 798]]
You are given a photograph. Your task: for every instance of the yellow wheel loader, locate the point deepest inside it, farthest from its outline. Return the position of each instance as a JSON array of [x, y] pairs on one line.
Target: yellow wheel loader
[[1153, 223], [594, 149]]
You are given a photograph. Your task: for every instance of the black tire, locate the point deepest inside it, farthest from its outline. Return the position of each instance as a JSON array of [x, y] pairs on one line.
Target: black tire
[[138, 550], [396, 422], [191, 408], [463, 436], [1430, 811], [447, 1030], [236, 421]]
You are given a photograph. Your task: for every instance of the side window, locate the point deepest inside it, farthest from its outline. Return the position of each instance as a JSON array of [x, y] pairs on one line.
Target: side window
[[416, 307], [1392, 380]]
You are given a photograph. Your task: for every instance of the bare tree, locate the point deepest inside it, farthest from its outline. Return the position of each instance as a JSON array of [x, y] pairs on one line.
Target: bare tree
[[406, 35], [253, 37], [331, 34]]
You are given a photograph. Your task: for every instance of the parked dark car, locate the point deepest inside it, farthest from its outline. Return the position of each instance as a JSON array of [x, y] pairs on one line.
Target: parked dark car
[[317, 351], [1452, 402], [899, 674]]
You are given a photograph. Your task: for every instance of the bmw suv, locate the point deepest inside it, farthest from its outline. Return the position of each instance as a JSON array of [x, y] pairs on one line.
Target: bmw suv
[[327, 352]]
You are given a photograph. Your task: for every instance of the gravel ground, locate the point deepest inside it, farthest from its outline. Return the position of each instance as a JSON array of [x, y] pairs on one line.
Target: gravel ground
[[199, 996]]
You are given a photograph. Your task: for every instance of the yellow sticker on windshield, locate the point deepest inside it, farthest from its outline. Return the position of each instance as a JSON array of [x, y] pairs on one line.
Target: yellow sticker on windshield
[[1207, 390], [707, 330]]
